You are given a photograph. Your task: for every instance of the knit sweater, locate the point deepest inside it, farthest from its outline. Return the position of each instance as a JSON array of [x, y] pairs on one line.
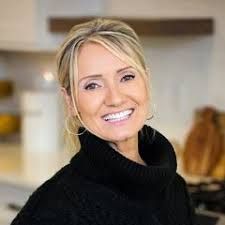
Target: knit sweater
[[100, 186]]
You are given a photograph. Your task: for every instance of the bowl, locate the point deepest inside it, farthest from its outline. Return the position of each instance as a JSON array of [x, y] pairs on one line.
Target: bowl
[[6, 88], [9, 124]]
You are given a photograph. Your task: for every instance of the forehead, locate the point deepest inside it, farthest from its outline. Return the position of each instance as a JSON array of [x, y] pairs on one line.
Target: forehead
[[93, 58]]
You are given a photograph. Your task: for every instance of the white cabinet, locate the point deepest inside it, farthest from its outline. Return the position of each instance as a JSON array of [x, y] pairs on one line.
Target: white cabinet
[[23, 26], [17, 24], [24, 23]]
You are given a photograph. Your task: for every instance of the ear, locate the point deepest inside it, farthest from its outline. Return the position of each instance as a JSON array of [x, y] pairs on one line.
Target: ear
[[68, 101]]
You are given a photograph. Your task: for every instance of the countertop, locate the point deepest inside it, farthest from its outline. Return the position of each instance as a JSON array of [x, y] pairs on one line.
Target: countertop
[[29, 168]]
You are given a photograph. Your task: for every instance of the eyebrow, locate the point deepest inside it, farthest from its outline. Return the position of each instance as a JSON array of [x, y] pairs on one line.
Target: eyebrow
[[100, 75]]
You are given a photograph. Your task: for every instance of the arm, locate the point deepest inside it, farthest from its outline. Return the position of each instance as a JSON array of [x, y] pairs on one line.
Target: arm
[[190, 205], [47, 217]]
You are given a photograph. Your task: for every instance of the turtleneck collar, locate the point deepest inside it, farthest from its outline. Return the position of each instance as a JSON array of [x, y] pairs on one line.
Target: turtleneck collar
[[99, 162]]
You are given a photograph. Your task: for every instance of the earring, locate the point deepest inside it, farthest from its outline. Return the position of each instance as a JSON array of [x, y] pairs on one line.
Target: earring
[[69, 131], [152, 114], [150, 117]]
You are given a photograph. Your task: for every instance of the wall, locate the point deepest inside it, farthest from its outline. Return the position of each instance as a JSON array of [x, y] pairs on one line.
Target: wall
[[186, 72], [179, 80], [17, 23]]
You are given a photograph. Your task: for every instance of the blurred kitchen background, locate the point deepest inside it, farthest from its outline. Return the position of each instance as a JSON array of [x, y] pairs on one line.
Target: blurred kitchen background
[[184, 44]]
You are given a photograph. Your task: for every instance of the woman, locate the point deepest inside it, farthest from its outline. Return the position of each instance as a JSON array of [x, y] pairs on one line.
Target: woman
[[125, 171]]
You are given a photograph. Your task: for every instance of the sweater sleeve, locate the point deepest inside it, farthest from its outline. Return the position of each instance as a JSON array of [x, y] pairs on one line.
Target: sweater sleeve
[[190, 205], [48, 205], [23, 220], [46, 216]]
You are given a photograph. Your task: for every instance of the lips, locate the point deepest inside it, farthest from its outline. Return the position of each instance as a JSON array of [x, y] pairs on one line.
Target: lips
[[118, 116]]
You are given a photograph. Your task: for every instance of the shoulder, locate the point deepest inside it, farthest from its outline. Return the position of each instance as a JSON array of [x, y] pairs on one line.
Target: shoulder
[[180, 181], [49, 203], [179, 187], [181, 200]]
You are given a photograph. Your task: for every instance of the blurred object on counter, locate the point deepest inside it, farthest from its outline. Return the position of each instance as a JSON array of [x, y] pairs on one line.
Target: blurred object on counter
[[40, 116], [177, 147], [9, 124], [208, 195], [205, 147], [219, 170], [40, 122], [9, 118], [6, 88], [10, 127]]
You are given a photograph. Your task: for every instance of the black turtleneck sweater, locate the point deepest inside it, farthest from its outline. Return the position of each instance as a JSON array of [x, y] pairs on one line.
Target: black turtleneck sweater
[[102, 187]]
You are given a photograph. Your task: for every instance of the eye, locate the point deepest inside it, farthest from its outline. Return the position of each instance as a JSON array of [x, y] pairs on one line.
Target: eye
[[127, 77], [91, 86]]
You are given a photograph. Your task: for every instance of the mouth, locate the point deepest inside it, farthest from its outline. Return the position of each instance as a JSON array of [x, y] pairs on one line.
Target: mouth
[[119, 116]]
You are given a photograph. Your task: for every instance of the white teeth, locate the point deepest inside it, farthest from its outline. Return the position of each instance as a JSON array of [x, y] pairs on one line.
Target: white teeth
[[118, 116]]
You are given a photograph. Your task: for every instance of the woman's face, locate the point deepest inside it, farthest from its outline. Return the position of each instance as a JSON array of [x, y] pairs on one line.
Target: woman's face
[[112, 98]]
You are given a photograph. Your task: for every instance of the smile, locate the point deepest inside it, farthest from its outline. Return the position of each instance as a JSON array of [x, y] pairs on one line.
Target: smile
[[114, 117]]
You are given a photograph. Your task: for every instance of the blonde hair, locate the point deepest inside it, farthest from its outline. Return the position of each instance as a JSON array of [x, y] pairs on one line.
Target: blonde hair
[[116, 36]]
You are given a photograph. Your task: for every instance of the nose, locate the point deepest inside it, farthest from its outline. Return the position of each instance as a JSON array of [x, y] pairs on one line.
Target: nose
[[114, 97]]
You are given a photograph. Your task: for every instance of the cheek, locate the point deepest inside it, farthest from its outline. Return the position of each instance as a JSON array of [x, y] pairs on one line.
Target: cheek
[[142, 99], [140, 93], [89, 104], [145, 93]]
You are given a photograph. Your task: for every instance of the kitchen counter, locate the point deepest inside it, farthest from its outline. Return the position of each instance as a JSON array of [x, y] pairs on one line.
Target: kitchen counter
[[30, 169], [27, 168]]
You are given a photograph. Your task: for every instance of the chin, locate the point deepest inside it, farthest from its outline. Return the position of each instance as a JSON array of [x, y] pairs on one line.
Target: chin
[[120, 137], [116, 134]]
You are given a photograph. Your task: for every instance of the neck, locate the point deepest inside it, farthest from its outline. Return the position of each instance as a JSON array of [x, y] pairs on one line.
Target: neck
[[129, 149]]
